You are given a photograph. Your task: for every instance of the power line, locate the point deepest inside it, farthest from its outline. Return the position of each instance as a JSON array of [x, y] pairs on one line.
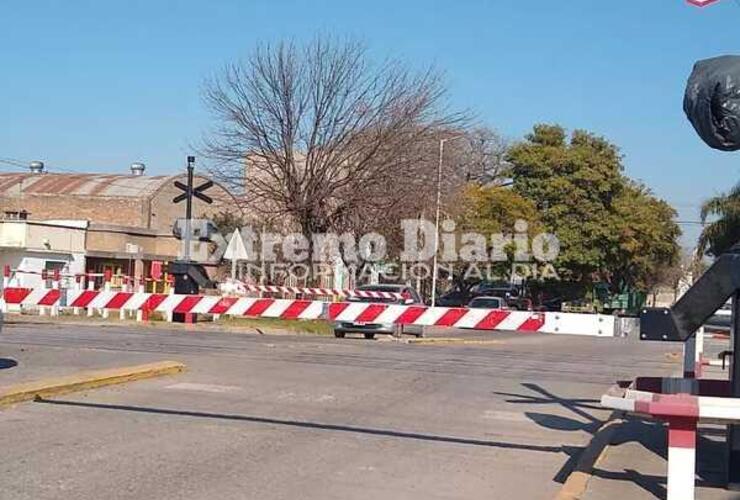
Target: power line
[[13, 163]]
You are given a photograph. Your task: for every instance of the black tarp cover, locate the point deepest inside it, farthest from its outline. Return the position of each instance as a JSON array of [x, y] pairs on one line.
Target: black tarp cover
[[712, 101]]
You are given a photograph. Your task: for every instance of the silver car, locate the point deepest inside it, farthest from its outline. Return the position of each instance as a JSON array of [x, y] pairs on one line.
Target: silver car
[[409, 296], [487, 303]]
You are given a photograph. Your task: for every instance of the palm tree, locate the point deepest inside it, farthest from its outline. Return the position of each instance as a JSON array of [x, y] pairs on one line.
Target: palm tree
[[724, 231]]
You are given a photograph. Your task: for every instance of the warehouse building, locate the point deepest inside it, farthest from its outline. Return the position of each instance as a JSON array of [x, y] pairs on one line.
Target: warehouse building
[[94, 222]]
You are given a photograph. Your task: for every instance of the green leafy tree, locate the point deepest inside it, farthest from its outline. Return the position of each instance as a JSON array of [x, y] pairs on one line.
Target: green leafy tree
[[495, 209], [718, 236], [573, 181], [647, 234], [610, 229], [491, 210]]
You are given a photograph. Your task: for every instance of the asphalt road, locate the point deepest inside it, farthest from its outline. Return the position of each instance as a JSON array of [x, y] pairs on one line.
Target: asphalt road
[[291, 417]]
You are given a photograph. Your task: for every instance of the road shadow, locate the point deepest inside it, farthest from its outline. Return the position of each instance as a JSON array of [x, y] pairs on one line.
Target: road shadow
[[6, 363], [583, 420], [650, 434], [307, 425]]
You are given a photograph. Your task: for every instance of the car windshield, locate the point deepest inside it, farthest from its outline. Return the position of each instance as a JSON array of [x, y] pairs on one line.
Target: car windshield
[[486, 303]]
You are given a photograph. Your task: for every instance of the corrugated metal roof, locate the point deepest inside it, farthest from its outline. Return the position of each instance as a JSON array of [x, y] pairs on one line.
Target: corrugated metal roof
[[128, 186]]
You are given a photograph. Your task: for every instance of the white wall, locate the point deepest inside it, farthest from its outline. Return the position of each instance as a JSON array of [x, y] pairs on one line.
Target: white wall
[[35, 262]]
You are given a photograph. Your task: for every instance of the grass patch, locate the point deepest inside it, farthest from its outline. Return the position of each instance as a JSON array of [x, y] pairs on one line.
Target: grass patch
[[314, 326], [156, 319]]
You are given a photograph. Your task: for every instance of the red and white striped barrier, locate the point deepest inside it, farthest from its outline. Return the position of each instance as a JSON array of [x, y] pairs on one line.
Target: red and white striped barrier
[[328, 292], [682, 412], [366, 312]]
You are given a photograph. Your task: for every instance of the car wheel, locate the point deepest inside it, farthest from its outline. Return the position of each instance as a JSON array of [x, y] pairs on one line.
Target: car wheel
[[369, 336], [339, 335]]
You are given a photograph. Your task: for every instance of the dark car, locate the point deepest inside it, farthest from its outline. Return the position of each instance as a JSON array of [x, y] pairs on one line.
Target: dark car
[[409, 296], [512, 295], [487, 303], [453, 298]]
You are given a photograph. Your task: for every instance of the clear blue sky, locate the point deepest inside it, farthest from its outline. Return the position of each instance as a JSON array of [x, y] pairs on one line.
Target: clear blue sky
[[93, 86]]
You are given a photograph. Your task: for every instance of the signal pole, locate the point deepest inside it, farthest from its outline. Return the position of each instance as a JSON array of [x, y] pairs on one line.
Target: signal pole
[[188, 210]]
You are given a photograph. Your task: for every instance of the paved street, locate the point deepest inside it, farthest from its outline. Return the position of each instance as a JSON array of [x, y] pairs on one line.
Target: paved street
[[287, 417]]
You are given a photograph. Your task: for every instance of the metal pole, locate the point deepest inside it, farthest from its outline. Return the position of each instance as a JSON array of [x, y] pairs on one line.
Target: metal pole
[[733, 430], [436, 222], [418, 259], [188, 209]]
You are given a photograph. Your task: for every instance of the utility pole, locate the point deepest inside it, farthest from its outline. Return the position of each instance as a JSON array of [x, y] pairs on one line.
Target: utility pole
[[436, 218]]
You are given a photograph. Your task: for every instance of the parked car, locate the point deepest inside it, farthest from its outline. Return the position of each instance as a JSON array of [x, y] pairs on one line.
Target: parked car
[[453, 298], [488, 303], [721, 320], [409, 296], [513, 295]]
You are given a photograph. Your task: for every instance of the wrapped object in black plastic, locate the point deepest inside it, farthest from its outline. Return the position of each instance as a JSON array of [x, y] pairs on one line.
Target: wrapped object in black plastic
[[712, 101]]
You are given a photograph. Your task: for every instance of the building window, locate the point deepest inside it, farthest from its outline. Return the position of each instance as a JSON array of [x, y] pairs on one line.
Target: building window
[[16, 215]]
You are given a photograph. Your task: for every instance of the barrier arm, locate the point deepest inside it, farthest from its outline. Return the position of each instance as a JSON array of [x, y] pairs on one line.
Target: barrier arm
[[680, 323]]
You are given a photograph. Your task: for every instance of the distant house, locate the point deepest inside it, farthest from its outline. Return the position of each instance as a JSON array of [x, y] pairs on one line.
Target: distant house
[[93, 222]]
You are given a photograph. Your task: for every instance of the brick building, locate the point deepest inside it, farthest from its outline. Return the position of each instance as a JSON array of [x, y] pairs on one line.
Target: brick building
[[126, 219]]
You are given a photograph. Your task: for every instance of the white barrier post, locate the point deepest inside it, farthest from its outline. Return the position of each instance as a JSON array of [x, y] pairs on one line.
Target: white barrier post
[[693, 350], [170, 313], [91, 288], [107, 276], [55, 286], [44, 277], [699, 352], [681, 458], [140, 311], [126, 288], [78, 287]]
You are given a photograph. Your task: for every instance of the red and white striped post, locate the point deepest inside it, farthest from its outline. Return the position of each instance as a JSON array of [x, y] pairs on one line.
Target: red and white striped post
[[681, 458]]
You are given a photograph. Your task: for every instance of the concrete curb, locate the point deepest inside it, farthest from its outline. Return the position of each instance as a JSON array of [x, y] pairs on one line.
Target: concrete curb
[[449, 341], [55, 386], [575, 486]]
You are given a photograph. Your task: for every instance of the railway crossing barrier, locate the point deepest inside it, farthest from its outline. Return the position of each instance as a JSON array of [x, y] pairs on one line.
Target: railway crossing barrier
[[143, 304], [685, 402]]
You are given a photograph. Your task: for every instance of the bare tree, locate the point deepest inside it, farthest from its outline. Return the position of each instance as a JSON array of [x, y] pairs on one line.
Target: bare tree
[[320, 136], [484, 158]]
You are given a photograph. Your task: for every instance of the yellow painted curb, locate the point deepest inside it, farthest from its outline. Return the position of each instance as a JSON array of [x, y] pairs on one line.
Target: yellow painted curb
[[575, 486], [443, 341], [85, 380]]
